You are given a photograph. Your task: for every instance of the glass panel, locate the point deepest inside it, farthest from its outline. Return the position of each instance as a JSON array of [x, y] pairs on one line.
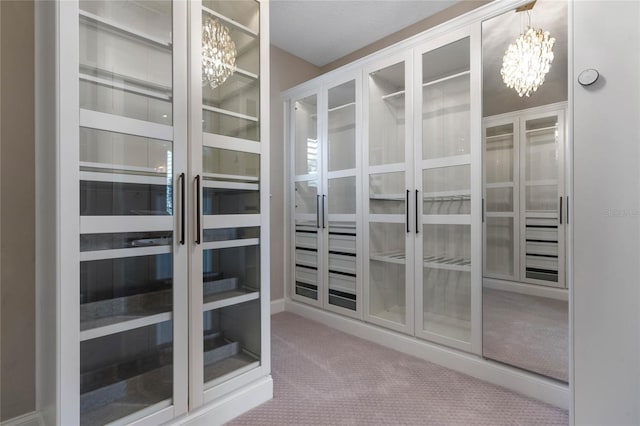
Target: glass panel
[[307, 148], [231, 271], [306, 197], [231, 341], [233, 107], [128, 199], [499, 200], [224, 164], [341, 195], [342, 127], [126, 59], [113, 290], [499, 253], [222, 234], [387, 260], [125, 372], [387, 115], [447, 280], [342, 264], [447, 190], [387, 193], [445, 101], [499, 154], [217, 199]]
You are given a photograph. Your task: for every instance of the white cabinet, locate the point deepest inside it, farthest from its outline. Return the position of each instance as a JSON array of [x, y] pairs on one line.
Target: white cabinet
[[325, 143], [158, 235], [524, 191], [420, 171]]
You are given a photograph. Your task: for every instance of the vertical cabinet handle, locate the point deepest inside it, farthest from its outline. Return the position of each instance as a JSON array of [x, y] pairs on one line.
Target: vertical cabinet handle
[[406, 210], [483, 210], [198, 211], [324, 220], [417, 226], [318, 211], [567, 209], [560, 215], [182, 208]]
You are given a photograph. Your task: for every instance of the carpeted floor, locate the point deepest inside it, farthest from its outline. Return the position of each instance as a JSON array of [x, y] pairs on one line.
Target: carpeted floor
[[325, 377], [526, 331]]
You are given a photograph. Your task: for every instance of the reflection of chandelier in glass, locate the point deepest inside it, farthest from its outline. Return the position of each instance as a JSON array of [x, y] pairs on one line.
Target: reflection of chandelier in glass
[[218, 53], [528, 60]]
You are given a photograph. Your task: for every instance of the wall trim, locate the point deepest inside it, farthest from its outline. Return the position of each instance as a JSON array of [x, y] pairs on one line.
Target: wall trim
[[33, 418], [528, 289], [231, 406], [277, 306], [531, 385]]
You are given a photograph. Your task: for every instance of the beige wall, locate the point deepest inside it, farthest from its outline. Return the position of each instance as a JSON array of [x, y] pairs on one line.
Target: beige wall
[[286, 71], [430, 22], [17, 210]]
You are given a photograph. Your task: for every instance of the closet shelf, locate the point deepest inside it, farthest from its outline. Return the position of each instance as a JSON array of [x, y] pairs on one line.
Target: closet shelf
[[447, 262], [224, 358], [230, 21], [126, 177], [229, 113], [497, 185], [503, 135], [220, 176], [339, 107], [152, 389], [226, 292], [397, 257], [394, 314], [542, 129], [109, 24], [230, 185], [447, 78], [111, 316], [133, 251], [447, 326]]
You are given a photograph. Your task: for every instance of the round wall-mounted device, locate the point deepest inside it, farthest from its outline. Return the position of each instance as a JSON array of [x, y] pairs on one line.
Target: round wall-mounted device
[[588, 77]]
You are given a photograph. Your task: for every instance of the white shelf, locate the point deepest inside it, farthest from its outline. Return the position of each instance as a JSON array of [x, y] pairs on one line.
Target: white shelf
[[229, 21], [228, 298], [339, 107], [388, 197], [125, 178], [394, 314], [393, 95], [220, 176], [229, 113], [504, 135], [124, 325], [228, 368], [398, 257], [86, 256], [498, 185], [216, 245], [447, 326], [459, 195], [130, 84], [541, 129], [448, 263], [112, 25], [230, 185], [443, 79]]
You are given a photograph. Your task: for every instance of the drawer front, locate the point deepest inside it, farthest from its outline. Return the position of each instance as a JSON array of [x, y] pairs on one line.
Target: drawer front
[[308, 258], [343, 283], [342, 263], [305, 239], [344, 243], [541, 221], [542, 234], [548, 263], [547, 249], [305, 275]]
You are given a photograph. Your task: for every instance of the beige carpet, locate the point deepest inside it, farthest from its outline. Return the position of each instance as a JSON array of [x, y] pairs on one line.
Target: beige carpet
[[325, 377]]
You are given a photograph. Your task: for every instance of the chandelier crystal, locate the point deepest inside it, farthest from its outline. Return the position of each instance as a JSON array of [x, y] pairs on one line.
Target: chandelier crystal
[[218, 53], [527, 61]]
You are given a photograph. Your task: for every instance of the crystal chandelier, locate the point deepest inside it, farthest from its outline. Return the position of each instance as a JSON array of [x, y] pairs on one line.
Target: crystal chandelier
[[218, 53], [527, 61]]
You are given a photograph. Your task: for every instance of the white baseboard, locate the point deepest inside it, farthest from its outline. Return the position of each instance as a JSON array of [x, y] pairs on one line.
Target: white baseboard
[[528, 289], [277, 306], [30, 419], [527, 384], [231, 406]]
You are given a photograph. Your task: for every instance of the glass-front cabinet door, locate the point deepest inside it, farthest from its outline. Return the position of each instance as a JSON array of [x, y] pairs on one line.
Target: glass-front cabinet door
[[123, 158], [307, 200], [501, 195], [387, 201], [542, 199], [228, 178], [342, 182], [448, 192]]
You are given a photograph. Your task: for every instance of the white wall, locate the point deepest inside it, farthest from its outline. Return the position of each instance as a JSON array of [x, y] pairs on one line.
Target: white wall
[[286, 71], [606, 214]]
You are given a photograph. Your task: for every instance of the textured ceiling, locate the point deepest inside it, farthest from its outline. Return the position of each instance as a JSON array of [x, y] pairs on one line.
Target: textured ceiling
[[321, 31]]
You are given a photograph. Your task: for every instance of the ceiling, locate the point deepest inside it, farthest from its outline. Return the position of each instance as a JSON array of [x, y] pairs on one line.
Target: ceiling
[[321, 31]]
